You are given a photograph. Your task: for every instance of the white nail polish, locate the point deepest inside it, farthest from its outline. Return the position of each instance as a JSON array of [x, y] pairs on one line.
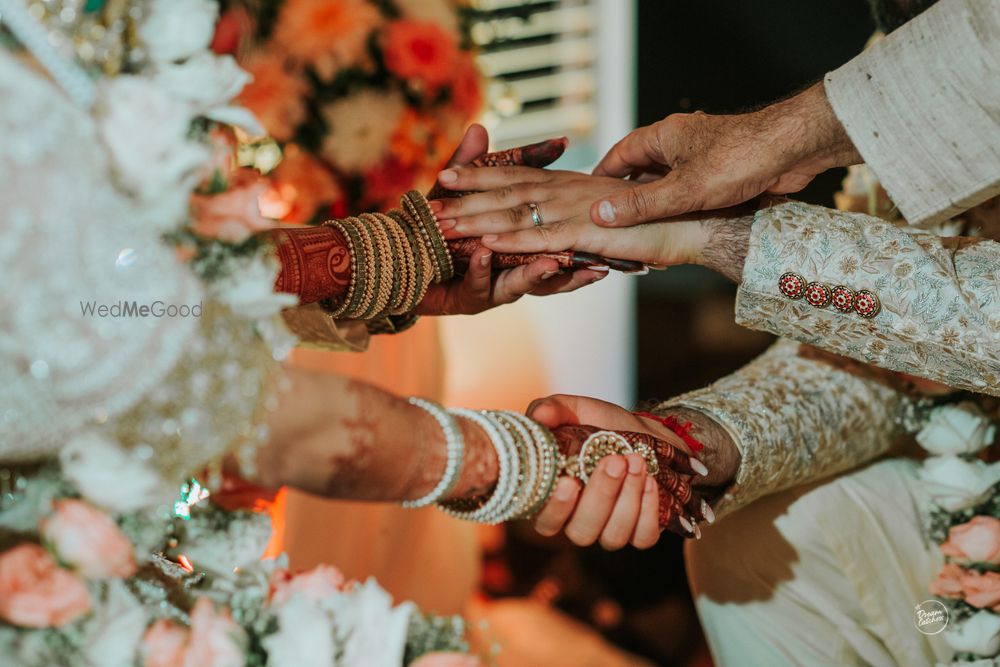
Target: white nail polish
[[606, 211], [708, 512], [699, 467], [685, 524], [697, 532]]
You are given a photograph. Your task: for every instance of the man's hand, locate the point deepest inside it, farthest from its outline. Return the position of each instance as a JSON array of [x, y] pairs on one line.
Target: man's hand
[[480, 289], [697, 162]]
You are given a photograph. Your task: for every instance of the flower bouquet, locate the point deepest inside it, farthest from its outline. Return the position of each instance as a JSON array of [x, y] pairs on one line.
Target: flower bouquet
[[366, 98]]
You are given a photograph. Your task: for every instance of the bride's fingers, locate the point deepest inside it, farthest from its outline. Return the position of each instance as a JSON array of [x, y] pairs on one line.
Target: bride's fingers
[[512, 284], [597, 501], [568, 282], [625, 515], [553, 517], [647, 529], [500, 199], [497, 221], [554, 237], [490, 178]]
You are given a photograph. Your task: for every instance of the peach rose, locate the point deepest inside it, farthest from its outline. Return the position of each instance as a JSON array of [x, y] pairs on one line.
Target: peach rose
[[948, 583], [315, 584], [233, 215], [327, 35], [89, 540], [981, 590], [163, 644], [977, 541], [447, 660], [36, 593], [214, 640], [421, 51]]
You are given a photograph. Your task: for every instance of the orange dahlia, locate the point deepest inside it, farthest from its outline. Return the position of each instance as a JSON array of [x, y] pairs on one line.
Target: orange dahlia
[[329, 35], [467, 87], [422, 52], [301, 184], [276, 95]]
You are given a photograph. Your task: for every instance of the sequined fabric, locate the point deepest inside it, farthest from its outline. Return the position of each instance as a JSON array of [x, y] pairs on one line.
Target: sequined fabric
[[183, 389], [795, 420]]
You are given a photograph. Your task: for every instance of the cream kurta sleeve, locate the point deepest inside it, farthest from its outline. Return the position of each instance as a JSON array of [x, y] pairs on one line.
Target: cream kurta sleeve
[[795, 420], [922, 106], [939, 315]]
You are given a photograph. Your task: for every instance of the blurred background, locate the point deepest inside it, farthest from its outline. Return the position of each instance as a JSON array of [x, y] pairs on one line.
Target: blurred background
[[357, 126]]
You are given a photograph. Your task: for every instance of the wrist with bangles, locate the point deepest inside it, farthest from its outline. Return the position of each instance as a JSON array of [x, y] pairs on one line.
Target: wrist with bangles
[[530, 461]]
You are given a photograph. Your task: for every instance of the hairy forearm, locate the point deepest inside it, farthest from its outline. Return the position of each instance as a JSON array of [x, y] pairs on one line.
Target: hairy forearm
[[342, 438], [727, 241]]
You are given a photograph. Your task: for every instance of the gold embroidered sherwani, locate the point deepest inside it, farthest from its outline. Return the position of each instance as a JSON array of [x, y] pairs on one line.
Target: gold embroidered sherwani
[[826, 570]]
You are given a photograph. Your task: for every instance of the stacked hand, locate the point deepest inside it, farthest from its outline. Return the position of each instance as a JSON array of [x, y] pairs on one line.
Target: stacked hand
[[621, 503]]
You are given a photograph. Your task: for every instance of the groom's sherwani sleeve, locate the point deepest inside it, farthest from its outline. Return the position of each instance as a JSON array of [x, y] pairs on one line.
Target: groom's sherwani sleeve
[[922, 106], [796, 419], [857, 286]]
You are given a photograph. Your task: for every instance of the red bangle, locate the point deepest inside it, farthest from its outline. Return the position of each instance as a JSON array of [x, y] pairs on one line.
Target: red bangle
[[682, 430]]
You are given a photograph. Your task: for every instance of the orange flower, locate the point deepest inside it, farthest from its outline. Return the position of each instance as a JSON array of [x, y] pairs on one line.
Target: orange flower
[[163, 644], [328, 35], [467, 87], [36, 593], [300, 185], [214, 639], [387, 182], [316, 584], [413, 137], [276, 95], [977, 541], [422, 52]]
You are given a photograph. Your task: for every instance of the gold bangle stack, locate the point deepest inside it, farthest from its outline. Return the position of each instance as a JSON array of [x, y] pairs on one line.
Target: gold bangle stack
[[395, 257]]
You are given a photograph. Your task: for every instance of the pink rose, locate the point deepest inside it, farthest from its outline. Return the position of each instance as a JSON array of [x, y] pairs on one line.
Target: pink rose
[[214, 640], [315, 584], [447, 660], [89, 540], [981, 590], [977, 541], [163, 644], [36, 593], [948, 583], [232, 215]]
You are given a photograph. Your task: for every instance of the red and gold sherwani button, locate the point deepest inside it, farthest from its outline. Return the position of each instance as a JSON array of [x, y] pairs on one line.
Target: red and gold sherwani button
[[843, 299], [792, 285], [818, 294], [866, 304]]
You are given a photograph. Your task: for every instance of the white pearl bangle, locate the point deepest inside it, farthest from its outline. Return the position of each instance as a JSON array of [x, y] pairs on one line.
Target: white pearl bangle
[[547, 450], [508, 459], [455, 446], [529, 468]]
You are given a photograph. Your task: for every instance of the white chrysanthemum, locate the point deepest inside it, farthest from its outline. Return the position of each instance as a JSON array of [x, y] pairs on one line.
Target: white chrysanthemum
[[373, 632], [360, 129], [305, 636], [960, 428], [249, 289], [109, 477], [176, 29]]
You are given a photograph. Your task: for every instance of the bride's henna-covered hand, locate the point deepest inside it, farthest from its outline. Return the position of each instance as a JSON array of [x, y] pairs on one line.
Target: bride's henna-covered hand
[[613, 508], [481, 288]]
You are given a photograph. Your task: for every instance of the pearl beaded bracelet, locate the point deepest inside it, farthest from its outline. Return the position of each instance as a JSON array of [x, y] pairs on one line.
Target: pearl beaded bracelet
[[455, 446]]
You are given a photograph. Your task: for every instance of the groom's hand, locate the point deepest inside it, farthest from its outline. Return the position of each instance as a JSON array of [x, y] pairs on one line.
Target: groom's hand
[[697, 162]]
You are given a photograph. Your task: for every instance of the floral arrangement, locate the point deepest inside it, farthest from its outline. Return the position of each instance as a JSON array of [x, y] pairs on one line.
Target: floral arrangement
[[98, 563], [366, 98], [965, 521]]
